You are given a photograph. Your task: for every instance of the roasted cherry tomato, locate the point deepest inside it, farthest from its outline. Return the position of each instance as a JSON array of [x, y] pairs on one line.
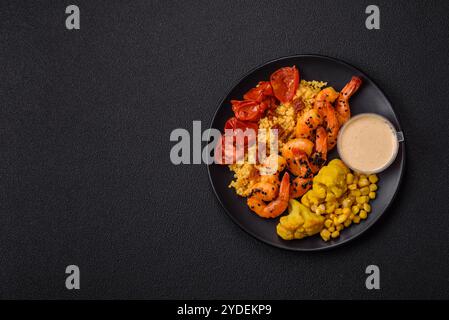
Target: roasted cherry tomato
[[247, 110], [234, 123], [229, 154], [269, 103], [259, 93], [285, 83]]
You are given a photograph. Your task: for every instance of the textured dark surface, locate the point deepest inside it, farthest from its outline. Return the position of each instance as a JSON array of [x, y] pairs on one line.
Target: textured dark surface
[[86, 177]]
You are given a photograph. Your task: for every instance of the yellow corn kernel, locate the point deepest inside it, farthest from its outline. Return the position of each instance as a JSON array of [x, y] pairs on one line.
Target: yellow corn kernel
[[336, 221], [364, 191], [328, 223], [338, 211], [362, 176], [373, 178], [347, 211], [356, 219], [373, 187], [325, 234], [367, 207], [355, 209], [346, 203], [363, 214], [362, 199], [372, 195], [313, 207], [352, 186], [347, 223], [349, 178], [340, 227], [363, 182], [335, 234], [341, 218], [357, 193], [331, 229], [352, 216]]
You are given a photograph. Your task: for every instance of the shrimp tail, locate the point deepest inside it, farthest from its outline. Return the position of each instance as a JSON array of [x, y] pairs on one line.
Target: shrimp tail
[[342, 105], [351, 87]]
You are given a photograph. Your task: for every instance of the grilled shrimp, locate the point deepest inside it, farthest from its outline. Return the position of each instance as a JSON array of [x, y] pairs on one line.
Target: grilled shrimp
[[267, 187], [273, 164], [300, 186], [332, 126], [303, 169], [323, 104], [275, 207], [307, 123], [296, 153], [322, 113], [319, 157], [325, 96], [342, 104]]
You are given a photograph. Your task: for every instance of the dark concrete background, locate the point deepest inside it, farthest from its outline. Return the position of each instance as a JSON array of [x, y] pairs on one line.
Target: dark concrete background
[[85, 174]]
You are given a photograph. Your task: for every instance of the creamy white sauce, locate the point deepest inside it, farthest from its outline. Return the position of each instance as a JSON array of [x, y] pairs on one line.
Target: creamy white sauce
[[367, 143]]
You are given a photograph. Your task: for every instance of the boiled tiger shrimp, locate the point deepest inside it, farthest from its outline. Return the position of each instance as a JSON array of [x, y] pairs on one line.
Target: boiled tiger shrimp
[[275, 207], [342, 104]]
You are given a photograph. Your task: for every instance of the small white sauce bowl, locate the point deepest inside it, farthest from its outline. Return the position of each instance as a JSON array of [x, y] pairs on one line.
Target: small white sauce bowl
[[398, 135]]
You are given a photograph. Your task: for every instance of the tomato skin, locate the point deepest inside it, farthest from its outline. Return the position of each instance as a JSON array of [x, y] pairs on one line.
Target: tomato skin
[[269, 103], [259, 93], [284, 82], [234, 123], [247, 110], [231, 155]]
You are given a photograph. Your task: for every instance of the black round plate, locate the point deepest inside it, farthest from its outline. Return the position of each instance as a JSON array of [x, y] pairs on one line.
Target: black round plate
[[369, 98]]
